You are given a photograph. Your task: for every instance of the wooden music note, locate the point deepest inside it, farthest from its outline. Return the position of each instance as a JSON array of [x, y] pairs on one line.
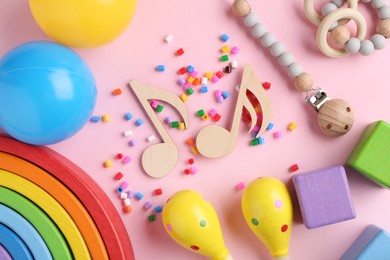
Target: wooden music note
[[159, 159], [214, 141]]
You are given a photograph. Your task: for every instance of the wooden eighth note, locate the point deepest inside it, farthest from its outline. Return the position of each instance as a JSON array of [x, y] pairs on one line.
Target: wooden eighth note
[[215, 141], [159, 159]]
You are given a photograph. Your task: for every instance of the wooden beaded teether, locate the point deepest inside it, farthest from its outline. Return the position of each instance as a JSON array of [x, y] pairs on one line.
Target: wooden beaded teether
[[334, 21], [335, 116]]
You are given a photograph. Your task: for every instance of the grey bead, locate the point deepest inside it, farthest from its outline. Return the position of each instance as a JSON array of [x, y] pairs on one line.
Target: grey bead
[[366, 47], [251, 19], [376, 4], [334, 25], [286, 59], [338, 3], [365, 1], [379, 41], [328, 8], [294, 70], [352, 45], [384, 12], [268, 39], [277, 49], [259, 30]]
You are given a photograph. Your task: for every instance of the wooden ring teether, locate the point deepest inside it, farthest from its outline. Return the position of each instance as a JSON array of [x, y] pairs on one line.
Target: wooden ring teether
[[316, 19], [330, 19]]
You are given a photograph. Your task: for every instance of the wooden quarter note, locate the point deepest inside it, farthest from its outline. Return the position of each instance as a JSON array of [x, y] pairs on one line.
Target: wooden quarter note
[[215, 141], [159, 159]]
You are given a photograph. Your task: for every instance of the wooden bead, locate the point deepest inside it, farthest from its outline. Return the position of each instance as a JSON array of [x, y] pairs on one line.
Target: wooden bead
[[241, 8], [340, 34], [335, 117], [304, 82], [383, 28]]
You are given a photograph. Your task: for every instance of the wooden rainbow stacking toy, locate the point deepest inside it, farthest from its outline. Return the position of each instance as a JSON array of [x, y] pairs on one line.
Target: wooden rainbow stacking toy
[[51, 209]]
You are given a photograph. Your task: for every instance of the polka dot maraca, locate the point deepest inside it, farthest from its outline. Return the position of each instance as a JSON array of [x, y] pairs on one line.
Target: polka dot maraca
[[192, 222], [267, 209]]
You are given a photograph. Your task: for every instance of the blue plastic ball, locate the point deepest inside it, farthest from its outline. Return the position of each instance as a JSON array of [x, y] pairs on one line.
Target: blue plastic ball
[[47, 93]]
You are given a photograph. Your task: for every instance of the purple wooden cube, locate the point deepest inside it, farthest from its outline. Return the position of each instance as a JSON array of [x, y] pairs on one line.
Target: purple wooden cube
[[324, 196]]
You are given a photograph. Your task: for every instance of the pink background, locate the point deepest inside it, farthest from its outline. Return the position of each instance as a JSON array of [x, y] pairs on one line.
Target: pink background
[[196, 27]]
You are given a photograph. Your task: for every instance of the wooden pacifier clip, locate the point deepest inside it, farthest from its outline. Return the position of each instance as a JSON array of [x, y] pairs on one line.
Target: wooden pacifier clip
[[335, 116], [334, 20]]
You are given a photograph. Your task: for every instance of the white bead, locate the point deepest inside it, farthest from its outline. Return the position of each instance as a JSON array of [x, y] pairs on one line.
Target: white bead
[[151, 138], [328, 8], [168, 38], [294, 70], [128, 133], [338, 3], [286, 59], [251, 19], [204, 81], [352, 45], [277, 49], [124, 195], [379, 41], [366, 47], [126, 202], [384, 12], [258, 30], [376, 4], [268, 39], [234, 64]]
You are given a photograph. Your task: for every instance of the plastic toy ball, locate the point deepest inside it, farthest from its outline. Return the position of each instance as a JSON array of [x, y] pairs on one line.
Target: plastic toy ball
[[83, 23], [47, 93], [193, 223], [267, 209]]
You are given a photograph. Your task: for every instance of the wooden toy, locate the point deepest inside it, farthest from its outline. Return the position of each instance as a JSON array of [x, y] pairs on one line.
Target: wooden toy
[[53, 209], [27, 233], [42, 223], [65, 197], [4, 253], [215, 141], [324, 196], [373, 243], [370, 156], [90, 195], [267, 209], [16, 248], [159, 159], [335, 116], [192, 222], [334, 21]]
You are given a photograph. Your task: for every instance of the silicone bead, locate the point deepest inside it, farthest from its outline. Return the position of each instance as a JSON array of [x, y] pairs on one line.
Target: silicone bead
[[268, 39], [286, 59], [251, 19], [328, 8], [277, 49], [338, 3], [366, 1], [352, 45], [383, 28], [384, 12], [377, 4], [379, 41], [294, 70], [259, 30], [366, 47]]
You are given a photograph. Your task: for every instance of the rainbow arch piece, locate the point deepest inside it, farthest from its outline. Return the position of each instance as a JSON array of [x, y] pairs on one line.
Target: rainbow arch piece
[[70, 208]]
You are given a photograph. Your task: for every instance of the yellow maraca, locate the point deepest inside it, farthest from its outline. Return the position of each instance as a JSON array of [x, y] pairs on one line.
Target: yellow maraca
[[267, 209], [193, 223]]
